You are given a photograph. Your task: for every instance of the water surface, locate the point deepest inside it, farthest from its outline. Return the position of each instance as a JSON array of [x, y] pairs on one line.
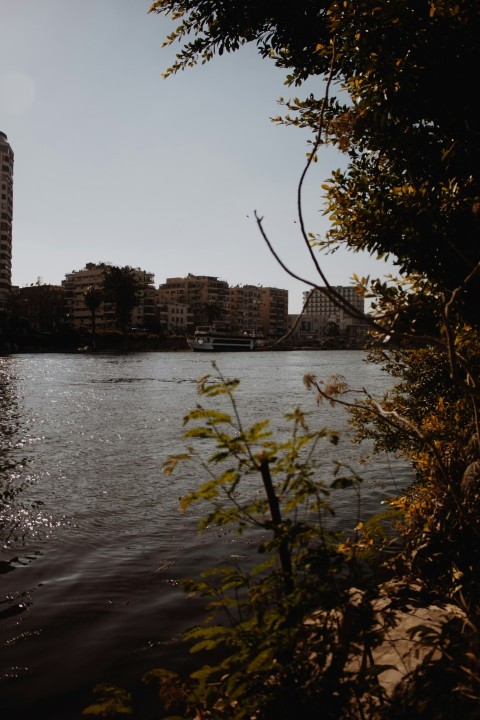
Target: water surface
[[94, 543]]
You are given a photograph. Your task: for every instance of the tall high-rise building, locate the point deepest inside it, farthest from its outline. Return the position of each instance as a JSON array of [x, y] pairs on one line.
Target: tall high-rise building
[[6, 216]]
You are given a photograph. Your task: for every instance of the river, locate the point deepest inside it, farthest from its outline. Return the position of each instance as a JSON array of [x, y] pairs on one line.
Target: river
[[94, 545]]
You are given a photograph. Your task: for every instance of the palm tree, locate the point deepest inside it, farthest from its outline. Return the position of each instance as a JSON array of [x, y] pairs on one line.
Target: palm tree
[[93, 298], [122, 287], [211, 311]]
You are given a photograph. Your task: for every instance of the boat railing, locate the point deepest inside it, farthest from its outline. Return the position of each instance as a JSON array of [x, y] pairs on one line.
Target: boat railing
[[201, 330]]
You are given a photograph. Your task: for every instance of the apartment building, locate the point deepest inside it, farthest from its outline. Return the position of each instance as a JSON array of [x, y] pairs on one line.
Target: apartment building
[[175, 318], [323, 321], [43, 306], [245, 309], [274, 312], [261, 310], [144, 315], [321, 304], [92, 275], [207, 296], [6, 216]]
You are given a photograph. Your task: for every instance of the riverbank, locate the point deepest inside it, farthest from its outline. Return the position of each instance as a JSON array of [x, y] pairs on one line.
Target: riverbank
[[83, 342]]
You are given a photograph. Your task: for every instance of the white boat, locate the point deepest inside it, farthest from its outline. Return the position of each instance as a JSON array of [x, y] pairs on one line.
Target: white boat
[[207, 339]]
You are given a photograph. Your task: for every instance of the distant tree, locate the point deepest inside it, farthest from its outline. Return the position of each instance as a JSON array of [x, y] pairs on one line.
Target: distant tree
[[333, 328], [211, 312], [93, 298], [121, 287]]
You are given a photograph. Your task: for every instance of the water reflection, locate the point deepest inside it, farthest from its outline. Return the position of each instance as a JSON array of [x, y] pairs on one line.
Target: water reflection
[[11, 462], [91, 525], [20, 516]]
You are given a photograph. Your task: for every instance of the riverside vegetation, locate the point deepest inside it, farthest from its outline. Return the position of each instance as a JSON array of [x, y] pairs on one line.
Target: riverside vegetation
[[303, 633]]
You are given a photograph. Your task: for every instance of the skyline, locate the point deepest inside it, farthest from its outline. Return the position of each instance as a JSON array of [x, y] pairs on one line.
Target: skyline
[[115, 164]]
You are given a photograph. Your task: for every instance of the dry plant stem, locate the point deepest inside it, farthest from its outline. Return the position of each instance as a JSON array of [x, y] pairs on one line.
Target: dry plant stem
[[294, 326], [335, 296], [283, 551], [330, 291], [332, 294], [454, 356], [397, 421], [352, 311], [316, 145]]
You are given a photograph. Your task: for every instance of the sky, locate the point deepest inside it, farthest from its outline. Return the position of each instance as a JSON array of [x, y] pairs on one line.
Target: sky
[[114, 163]]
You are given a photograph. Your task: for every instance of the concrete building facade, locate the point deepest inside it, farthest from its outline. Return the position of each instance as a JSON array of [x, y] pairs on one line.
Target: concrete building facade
[[320, 304], [207, 296], [324, 323], [92, 275], [175, 318], [6, 217], [42, 306], [274, 312], [245, 309]]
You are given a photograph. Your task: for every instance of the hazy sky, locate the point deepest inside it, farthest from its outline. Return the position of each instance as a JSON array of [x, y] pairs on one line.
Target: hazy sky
[[113, 163]]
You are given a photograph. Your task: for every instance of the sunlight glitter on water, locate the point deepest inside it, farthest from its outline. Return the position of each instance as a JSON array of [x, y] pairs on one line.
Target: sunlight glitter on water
[[96, 521]]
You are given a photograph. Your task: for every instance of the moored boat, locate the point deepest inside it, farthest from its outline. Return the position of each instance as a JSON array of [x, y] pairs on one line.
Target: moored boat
[[208, 339]]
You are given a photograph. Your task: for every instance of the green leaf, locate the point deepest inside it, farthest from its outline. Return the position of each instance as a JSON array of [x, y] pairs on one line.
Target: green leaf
[[111, 700]]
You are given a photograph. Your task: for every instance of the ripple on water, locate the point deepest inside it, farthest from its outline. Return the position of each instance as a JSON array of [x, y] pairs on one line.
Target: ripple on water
[[95, 547]]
